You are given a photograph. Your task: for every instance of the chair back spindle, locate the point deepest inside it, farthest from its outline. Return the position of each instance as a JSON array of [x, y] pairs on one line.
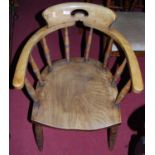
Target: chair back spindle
[[89, 41], [67, 46], [47, 53], [107, 53], [35, 69]]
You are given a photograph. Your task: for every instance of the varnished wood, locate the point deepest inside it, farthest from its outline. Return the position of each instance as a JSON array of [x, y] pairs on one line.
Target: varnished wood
[[119, 71], [123, 92], [86, 101], [112, 134], [87, 51], [67, 46], [38, 133], [107, 52], [47, 53], [31, 90]]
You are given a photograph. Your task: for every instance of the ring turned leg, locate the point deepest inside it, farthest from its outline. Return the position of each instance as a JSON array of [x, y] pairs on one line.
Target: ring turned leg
[[38, 134], [112, 134]]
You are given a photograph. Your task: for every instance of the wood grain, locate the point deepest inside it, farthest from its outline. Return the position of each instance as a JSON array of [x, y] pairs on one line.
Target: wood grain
[[68, 20], [77, 95]]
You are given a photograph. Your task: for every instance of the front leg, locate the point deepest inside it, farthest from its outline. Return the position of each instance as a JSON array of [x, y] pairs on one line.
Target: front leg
[[112, 134], [38, 134]]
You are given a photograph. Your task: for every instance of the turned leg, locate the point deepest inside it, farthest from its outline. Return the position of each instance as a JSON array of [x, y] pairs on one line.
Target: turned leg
[[112, 134], [38, 133]]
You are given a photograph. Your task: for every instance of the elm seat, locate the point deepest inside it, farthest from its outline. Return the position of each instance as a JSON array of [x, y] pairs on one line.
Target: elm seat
[[77, 96]]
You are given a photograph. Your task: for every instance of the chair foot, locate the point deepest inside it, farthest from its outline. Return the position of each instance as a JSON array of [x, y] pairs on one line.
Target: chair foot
[[112, 134], [38, 134]]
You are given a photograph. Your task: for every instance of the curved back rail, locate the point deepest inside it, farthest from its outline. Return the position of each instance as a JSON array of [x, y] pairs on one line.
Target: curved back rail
[[65, 15]]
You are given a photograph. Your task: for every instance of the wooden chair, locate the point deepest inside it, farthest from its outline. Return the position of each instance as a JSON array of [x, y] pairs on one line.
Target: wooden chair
[[77, 93]]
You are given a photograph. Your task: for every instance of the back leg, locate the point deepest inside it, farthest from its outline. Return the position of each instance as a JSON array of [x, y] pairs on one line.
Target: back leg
[[112, 134], [38, 134]]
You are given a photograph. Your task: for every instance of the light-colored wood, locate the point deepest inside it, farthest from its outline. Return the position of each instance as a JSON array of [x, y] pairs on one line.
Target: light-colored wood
[[137, 84], [61, 13], [87, 51], [18, 80], [67, 46], [77, 95], [135, 73], [107, 52], [47, 53], [31, 90], [123, 92], [35, 69], [119, 71]]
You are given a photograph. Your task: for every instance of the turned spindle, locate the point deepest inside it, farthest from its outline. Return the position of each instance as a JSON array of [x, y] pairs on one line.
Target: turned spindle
[[107, 53], [30, 90], [89, 41], [67, 46], [35, 69], [119, 71], [47, 53], [123, 92]]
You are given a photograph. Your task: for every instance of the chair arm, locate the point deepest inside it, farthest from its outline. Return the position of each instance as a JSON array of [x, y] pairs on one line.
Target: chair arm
[[20, 72], [19, 76], [136, 77]]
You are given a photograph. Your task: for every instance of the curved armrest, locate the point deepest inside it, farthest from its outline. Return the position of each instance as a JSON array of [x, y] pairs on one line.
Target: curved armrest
[[137, 82], [20, 72]]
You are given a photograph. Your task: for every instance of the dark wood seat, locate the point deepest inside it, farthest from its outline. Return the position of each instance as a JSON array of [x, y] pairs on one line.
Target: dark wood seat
[[77, 95]]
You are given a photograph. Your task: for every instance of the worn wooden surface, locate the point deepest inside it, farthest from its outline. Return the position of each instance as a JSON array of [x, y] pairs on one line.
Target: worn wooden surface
[[67, 20], [77, 95], [88, 12]]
